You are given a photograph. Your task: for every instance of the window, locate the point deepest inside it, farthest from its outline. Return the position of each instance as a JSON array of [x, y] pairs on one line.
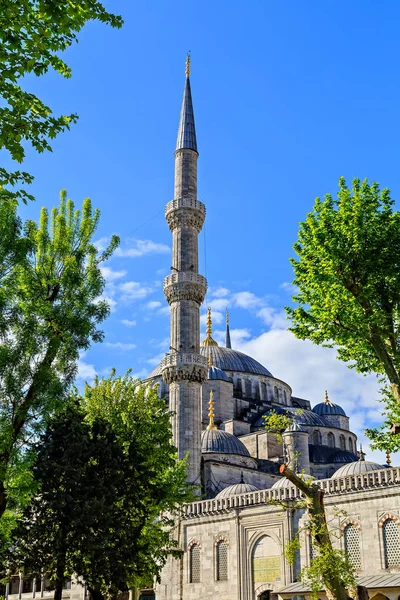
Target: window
[[391, 543], [238, 388], [257, 391], [194, 563], [266, 561], [342, 442], [350, 444], [352, 545], [263, 391], [285, 396], [222, 561], [317, 441], [331, 440], [276, 393]]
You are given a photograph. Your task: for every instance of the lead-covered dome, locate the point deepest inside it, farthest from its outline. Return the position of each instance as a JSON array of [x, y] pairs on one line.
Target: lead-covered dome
[[216, 374], [302, 416], [357, 468], [221, 442], [283, 482], [237, 488], [327, 408]]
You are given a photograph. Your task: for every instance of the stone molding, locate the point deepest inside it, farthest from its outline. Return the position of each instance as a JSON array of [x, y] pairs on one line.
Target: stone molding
[[387, 516], [185, 286], [350, 522], [184, 366], [185, 212]]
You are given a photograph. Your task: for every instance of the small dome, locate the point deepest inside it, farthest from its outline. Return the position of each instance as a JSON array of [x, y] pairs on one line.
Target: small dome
[[283, 482], [215, 374], [301, 416], [237, 488], [357, 468], [295, 426], [328, 408], [222, 442]]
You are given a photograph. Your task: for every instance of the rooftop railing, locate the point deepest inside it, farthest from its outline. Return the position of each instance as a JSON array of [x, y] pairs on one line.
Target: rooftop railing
[[339, 485]]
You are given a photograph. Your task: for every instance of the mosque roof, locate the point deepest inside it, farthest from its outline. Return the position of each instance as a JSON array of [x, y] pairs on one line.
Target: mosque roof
[[328, 408], [217, 374], [283, 482], [237, 488], [301, 416], [357, 468], [227, 360], [221, 442], [186, 131], [325, 454]]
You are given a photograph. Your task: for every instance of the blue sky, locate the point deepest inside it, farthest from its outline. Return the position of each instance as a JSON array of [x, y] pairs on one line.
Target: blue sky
[[288, 96]]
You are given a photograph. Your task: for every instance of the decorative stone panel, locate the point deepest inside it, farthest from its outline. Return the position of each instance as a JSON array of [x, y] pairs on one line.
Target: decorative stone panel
[[185, 212], [185, 286], [184, 366]]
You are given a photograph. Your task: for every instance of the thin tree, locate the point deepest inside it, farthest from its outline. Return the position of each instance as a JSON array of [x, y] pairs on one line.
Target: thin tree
[[347, 272], [49, 312]]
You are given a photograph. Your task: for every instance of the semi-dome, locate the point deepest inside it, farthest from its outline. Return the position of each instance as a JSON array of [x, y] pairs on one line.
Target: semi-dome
[[216, 374], [221, 442], [325, 454], [237, 488], [301, 416], [357, 468], [327, 408], [283, 482]]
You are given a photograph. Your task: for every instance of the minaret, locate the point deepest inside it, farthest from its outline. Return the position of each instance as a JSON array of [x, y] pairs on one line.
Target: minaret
[[227, 332], [184, 369]]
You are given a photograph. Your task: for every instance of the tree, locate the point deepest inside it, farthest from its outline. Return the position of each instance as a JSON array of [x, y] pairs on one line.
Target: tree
[[32, 35], [347, 271], [331, 569], [50, 311], [99, 511]]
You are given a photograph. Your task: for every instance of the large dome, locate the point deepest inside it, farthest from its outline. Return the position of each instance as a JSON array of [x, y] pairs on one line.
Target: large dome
[[328, 408], [227, 360], [357, 468], [221, 442], [301, 416], [237, 488]]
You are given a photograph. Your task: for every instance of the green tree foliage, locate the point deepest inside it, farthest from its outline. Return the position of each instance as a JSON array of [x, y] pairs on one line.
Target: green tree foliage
[[33, 33], [102, 494], [347, 271], [50, 311]]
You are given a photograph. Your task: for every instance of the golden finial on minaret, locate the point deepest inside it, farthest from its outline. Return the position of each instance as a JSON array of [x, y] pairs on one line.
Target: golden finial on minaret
[[211, 426], [388, 459], [208, 341], [188, 63], [326, 397]]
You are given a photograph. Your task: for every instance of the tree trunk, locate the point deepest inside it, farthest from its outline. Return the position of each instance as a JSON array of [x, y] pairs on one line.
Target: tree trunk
[[3, 499], [334, 586], [95, 594], [58, 590]]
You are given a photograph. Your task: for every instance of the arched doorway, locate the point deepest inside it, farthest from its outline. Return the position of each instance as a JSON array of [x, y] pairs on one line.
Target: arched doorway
[[263, 596]]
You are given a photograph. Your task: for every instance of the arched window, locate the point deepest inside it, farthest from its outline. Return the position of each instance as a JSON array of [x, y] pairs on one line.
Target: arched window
[[247, 387], [238, 388], [352, 545], [342, 442], [194, 564], [331, 440], [257, 391], [276, 393], [222, 561], [350, 444], [263, 391], [391, 543], [317, 441], [285, 396]]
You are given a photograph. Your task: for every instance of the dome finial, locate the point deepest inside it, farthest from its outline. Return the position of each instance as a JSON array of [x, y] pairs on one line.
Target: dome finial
[[388, 459], [208, 341], [210, 362], [211, 426], [326, 397], [362, 454], [188, 64]]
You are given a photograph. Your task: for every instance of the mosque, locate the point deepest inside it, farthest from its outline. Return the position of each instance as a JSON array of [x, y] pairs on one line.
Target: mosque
[[233, 537]]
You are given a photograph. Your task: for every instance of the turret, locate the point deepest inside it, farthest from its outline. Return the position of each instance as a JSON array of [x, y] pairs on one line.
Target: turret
[[295, 440]]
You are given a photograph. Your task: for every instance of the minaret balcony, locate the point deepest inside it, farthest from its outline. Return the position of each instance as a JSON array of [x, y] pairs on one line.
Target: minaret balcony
[[185, 212], [185, 285], [184, 366]]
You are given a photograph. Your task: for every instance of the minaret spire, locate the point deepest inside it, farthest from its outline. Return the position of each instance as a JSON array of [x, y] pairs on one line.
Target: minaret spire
[[184, 369], [227, 332], [208, 341], [186, 130]]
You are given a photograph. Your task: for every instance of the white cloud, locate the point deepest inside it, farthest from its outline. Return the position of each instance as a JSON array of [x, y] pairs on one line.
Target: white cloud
[[120, 346], [86, 371], [220, 292], [217, 317], [218, 304], [156, 359], [247, 300], [165, 310], [110, 301], [141, 248], [289, 287], [110, 275], [153, 305], [128, 323], [274, 318], [133, 290]]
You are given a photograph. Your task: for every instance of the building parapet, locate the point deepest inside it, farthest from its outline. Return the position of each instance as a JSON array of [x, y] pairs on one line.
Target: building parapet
[[339, 485]]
